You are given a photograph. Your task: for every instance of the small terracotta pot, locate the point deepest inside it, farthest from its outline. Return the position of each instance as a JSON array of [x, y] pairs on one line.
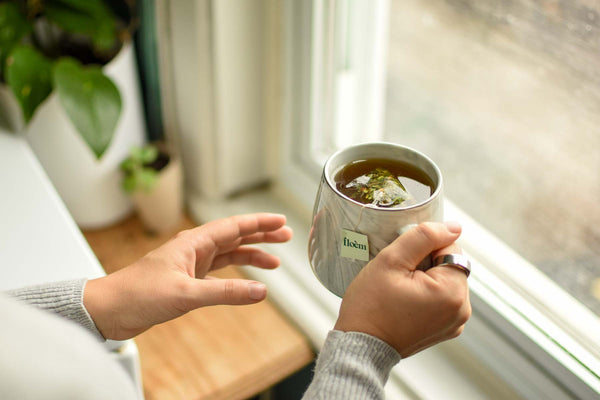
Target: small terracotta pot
[[161, 209]]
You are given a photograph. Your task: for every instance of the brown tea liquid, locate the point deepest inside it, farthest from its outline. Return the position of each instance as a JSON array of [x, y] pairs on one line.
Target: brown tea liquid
[[412, 179]]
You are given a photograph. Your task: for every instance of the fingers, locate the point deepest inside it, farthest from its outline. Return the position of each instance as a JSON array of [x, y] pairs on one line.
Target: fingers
[[227, 230], [247, 256], [210, 292], [226, 234], [280, 235], [451, 249], [412, 247]]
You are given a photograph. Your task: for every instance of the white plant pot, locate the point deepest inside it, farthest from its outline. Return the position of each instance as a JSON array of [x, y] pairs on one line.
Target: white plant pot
[[161, 210], [91, 188]]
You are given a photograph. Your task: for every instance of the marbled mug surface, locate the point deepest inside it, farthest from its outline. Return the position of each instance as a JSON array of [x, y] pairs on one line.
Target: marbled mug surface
[[335, 215]]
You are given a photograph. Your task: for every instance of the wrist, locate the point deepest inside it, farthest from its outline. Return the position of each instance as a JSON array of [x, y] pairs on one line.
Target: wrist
[[362, 326], [96, 304]]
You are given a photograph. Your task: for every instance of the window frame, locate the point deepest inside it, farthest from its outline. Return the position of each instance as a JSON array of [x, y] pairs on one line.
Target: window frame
[[527, 321]]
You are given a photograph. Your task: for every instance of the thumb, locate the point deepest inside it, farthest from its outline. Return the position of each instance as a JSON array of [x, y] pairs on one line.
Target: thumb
[[413, 246], [210, 292]]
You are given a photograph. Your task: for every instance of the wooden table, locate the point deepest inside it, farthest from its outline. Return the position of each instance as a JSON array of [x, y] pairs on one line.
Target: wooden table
[[219, 352]]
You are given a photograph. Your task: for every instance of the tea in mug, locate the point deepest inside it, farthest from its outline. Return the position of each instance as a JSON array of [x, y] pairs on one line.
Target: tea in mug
[[384, 183]]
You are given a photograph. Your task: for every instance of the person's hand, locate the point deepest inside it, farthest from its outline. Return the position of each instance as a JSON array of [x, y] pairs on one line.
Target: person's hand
[[171, 280], [408, 308]]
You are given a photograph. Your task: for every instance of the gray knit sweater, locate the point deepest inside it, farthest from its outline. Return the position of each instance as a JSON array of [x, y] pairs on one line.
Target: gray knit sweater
[[65, 362]]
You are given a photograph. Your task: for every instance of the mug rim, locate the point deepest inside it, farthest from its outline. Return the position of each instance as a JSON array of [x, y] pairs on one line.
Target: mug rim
[[333, 187]]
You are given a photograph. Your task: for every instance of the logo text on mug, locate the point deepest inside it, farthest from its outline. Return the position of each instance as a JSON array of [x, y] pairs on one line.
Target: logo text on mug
[[354, 245]]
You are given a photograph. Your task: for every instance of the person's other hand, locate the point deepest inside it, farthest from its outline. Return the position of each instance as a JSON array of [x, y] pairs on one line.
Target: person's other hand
[[172, 279], [408, 308]]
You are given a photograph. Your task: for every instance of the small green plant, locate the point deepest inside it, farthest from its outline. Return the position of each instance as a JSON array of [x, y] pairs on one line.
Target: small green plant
[[140, 173], [60, 45]]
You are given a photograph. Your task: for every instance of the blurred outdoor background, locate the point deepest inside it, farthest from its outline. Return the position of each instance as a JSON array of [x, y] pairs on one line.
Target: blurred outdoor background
[[505, 97]]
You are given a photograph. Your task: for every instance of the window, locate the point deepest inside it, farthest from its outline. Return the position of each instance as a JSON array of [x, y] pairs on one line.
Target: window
[[505, 97], [499, 96]]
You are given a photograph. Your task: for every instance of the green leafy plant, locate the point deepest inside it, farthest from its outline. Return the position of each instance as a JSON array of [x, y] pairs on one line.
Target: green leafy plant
[[141, 167], [61, 45]]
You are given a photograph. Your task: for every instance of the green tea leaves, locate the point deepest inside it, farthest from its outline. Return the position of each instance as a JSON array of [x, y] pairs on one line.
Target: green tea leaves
[[378, 187]]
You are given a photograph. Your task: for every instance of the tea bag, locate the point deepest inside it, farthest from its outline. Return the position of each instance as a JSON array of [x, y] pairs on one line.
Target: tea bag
[[380, 188]]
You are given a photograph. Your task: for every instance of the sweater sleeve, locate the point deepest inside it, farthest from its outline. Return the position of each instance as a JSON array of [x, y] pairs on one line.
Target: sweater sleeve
[[352, 365], [63, 298]]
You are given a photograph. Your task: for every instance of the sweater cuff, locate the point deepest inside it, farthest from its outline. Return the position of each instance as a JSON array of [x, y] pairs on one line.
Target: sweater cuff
[[63, 298], [363, 349], [352, 365]]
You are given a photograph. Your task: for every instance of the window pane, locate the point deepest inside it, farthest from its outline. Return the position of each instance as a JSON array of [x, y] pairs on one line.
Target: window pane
[[505, 97]]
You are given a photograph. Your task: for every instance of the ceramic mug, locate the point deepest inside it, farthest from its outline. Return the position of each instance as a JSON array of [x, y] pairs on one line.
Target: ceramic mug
[[346, 234]]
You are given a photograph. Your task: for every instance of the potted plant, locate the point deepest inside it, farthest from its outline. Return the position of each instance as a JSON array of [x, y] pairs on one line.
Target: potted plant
[[60, 45], [57, 87], [153, 178]]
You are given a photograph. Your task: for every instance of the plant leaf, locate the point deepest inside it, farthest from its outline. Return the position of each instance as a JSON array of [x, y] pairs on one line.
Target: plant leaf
[[28, 74], [135, 154], [88, 17], [149, 154], [129, 183], [128, 165], [13, 26], [147, 179], [91, 101]]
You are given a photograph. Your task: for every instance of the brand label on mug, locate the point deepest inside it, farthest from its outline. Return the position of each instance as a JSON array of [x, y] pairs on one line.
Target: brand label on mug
[[354, 245]]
